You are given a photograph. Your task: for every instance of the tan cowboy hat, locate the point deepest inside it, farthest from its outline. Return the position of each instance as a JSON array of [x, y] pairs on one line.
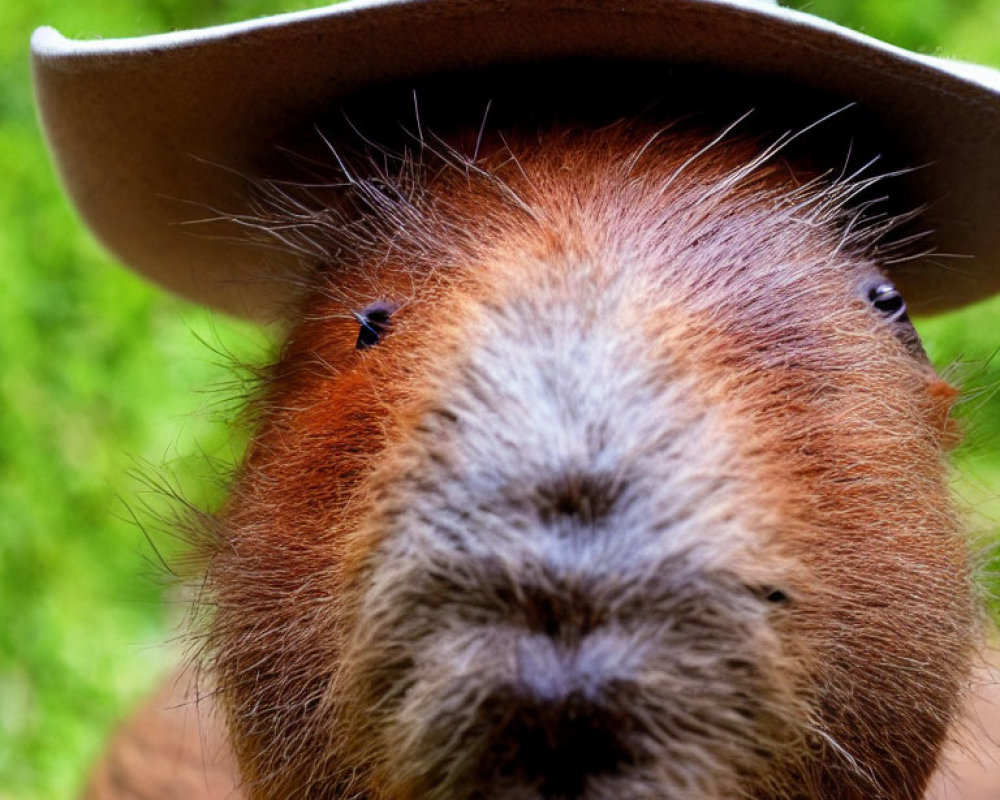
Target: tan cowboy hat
[[154, 132]]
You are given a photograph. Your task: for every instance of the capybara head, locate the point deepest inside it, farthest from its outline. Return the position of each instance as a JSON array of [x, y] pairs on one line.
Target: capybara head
[[600, 464]]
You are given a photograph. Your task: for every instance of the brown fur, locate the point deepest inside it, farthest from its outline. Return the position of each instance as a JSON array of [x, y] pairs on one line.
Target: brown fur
[[633, 446]]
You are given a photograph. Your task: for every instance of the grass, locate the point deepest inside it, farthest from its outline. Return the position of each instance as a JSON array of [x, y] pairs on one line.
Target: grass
[[102, 375]]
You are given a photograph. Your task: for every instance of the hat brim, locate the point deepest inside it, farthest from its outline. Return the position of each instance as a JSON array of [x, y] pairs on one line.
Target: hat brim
[[139, 127]]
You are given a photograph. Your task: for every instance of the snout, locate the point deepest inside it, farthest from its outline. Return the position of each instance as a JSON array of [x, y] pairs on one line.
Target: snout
[[488, 682]]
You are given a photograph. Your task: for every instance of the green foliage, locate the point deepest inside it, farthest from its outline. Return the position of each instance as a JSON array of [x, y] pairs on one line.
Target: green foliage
[[955, 28], [99, 375]]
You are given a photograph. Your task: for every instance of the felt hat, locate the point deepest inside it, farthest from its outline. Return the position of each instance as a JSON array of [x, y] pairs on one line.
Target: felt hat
[[151, 133]]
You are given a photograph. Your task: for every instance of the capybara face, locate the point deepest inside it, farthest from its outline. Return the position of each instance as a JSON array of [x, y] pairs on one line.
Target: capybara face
[[604, 465]]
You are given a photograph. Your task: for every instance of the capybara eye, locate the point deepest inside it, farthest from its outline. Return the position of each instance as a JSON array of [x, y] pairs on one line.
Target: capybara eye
[[887, 300], [374, 324], [883, 296], [771, 594]]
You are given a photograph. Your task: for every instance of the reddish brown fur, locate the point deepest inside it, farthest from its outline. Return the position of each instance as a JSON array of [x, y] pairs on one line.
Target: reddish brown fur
[[736, 275]]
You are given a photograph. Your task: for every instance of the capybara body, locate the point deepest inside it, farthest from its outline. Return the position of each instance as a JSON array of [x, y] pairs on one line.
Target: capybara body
[[599, 464]]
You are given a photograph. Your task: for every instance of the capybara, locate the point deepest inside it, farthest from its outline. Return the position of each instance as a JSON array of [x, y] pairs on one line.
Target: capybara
[[605, 465]]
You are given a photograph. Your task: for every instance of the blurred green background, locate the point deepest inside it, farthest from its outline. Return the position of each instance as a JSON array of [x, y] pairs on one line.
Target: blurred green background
[[105, 380]]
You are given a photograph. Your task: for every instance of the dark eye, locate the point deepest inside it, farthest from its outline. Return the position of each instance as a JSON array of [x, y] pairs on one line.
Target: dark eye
[[887, 300], [374, 324], [771, 594], [882, 295]]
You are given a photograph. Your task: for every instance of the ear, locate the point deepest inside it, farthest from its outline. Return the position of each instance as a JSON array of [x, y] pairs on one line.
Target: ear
[[942, 396]]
